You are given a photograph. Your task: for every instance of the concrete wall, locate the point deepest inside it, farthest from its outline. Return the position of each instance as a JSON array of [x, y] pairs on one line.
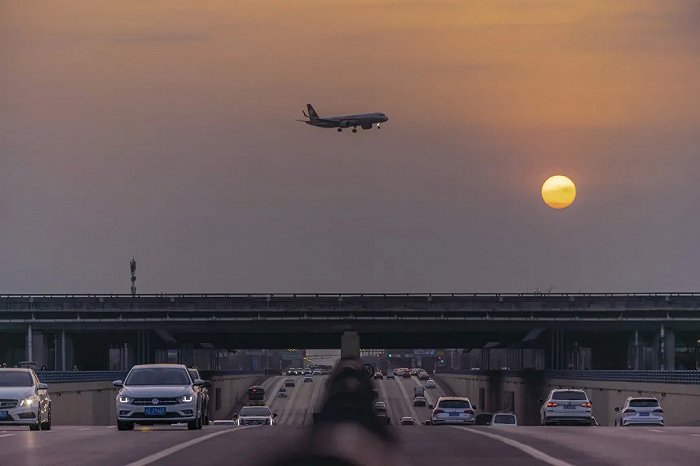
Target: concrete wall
[[681, 402], [92, 403]]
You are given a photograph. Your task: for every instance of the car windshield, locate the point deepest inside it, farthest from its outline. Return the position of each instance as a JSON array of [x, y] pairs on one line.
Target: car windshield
[[504, 419], [643, 404], [569, 395], [158, 376], [15, 379], [454, 404], [254, 411]]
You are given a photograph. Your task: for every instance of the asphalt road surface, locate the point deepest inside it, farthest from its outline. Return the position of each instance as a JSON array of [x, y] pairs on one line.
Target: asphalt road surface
[[226, 444]]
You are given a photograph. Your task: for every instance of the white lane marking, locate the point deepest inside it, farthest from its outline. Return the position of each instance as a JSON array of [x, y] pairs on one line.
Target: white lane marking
[[290, 404], [657, 430], [409, 402], [85, 428], [7, 435], [695, 435], [169, 451], [527, 449], [110, 427], [314, 401]]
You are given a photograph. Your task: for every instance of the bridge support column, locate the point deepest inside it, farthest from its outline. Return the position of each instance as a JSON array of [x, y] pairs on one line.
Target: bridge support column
[[350, 345], [29, 353], [667, 340]]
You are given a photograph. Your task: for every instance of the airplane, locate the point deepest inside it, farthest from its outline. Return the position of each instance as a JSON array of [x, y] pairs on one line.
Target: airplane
[[363, 120]]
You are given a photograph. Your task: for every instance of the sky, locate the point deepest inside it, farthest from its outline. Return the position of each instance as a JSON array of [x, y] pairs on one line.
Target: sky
[[166, 130]]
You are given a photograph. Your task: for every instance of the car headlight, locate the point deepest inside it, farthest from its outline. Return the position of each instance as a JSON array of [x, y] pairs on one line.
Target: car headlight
[[186, 398], [29, 401], [124, 399]]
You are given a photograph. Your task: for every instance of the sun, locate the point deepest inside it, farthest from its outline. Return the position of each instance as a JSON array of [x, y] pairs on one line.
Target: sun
[[558, 192]]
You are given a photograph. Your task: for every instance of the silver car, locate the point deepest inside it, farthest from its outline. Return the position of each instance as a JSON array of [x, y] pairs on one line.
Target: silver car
[[255, 416], [159, 394], [640, 411], [24, 401], [566, 406], [452, 410]]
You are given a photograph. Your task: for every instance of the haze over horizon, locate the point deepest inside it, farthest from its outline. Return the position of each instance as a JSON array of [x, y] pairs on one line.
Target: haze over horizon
[[166, 130]]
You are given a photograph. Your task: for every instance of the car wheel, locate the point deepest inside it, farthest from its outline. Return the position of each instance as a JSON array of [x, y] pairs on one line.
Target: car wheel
[[46, 425], [192, 425], [34, 426], [123, 425]]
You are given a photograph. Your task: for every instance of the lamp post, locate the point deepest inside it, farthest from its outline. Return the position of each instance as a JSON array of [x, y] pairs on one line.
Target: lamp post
[[132, 265]]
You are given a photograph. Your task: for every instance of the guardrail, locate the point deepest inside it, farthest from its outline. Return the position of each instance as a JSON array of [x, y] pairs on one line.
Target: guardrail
[[674, 377], [102, 376]]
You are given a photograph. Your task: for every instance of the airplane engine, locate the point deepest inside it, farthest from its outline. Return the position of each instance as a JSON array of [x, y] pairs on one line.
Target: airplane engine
[[367, 126]]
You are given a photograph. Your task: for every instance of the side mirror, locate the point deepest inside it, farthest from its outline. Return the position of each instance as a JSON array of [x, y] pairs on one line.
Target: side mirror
[[42, 386], [198, 383], [426, 422], [207, 384], [118, 383], [474, 407], [274, 414], [540, 402], [431, 407], [235, 416], [617, 409]]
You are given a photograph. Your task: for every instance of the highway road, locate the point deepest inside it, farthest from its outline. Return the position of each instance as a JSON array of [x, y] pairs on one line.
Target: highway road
[[225, 444]]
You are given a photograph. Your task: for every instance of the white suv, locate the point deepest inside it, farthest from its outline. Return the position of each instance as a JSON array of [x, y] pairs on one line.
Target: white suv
[[640, 411], [24, 401], [566, 406], [159, 394], [452, 410]]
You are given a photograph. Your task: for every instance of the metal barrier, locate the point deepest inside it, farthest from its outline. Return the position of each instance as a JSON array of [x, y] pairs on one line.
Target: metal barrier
[[676, 376]]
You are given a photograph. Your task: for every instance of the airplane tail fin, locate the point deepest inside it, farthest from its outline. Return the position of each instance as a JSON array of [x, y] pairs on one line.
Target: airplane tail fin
[[312, 113]]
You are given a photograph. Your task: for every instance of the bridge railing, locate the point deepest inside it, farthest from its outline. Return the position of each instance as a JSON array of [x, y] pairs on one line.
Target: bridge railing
[[672, 377]]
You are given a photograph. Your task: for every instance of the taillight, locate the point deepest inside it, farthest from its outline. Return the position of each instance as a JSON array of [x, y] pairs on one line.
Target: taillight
[[468, 411], [438, 411], [551, 404], [629, 410], [587, 404], [659, 410]]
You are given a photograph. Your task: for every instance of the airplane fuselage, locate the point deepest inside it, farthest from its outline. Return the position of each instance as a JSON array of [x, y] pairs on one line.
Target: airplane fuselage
[[363, 120]]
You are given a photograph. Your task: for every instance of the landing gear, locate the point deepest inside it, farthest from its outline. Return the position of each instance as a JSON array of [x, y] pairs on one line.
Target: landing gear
[[379, 126], [354, 130], [340, 130]]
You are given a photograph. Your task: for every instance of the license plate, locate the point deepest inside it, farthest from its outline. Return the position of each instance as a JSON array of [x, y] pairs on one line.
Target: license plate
[[569, 407], [643, 414], [454, 414], [154, 411], [3, 414]]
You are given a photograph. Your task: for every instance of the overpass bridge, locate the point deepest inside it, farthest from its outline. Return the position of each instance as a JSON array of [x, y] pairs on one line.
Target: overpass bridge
[[554, 321]]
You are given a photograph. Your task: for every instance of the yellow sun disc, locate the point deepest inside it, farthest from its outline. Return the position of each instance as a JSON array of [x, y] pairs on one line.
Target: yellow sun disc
[[558, 192]]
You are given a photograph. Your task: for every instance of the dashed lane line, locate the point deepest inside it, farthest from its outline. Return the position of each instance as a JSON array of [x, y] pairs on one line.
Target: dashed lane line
[[85, 428], [527, 449], [409, 401], [657, 430], [7, 435], [150, 459]]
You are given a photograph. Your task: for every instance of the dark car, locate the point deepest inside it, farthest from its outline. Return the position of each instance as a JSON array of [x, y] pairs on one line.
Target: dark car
[[289, 383], [194, 373], [483, 419], [381, 412]]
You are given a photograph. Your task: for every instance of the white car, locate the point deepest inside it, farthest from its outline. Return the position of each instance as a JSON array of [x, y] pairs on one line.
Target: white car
[[452, 410], [430, 383], [316, 372], [308, 378], [566, 406], [504, 420], [24, 401], [159, 394], [255, 416], [640, 411]]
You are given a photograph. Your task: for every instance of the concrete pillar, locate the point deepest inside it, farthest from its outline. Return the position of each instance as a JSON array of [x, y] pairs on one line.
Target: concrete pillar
[[63, 350], [669, 356], [350, 345]]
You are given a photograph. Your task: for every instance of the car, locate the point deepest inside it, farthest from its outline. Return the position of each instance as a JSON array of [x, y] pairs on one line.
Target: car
[[194, 374], [406, 375], [291, 371], [423, 376], [483, 419], [378, 375], [390, 375], [306, 372], [316, 372], [255, 416], [639, 411], [159, 394], [308, 378], [430, 383], [452, 410], [566, 406], [290, 383], [256, 395], [408, 421], [419, 401], [381, 412], [380, 404], [504, 420], [282, 393], [24, 400]]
